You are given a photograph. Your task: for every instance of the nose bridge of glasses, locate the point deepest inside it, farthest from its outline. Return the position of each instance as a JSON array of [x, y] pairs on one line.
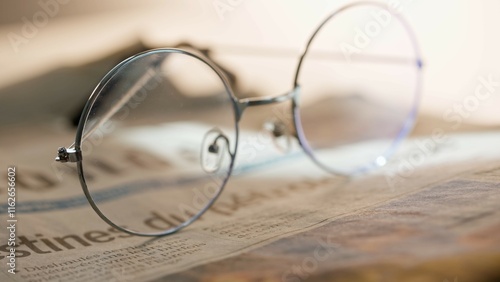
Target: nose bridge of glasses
[[261, 101]]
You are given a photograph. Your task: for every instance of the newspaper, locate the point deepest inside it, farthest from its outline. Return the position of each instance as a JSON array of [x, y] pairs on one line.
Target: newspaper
[[446, 231], [270, 198]]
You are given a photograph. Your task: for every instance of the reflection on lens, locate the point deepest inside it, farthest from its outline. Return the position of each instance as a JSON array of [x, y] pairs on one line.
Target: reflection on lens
[[143, 141], [359, 84]]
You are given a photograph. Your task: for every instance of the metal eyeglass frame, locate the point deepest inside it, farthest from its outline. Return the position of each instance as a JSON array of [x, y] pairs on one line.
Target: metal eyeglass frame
[[74, 154]]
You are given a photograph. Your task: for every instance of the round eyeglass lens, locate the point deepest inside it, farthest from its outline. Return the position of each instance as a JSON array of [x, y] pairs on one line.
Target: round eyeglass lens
[[157, 141], [359, 88]]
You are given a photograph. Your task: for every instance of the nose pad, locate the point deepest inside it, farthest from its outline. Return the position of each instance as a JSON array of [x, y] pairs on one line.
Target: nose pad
[[280, 134], [215, 147]]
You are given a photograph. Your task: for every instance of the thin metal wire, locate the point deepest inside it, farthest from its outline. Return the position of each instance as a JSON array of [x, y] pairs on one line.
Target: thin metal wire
[[239, 107], [317, 55], [145, 79], [410, 120]]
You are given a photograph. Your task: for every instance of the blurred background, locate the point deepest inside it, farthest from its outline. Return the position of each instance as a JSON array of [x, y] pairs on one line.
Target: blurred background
[[44, 44]]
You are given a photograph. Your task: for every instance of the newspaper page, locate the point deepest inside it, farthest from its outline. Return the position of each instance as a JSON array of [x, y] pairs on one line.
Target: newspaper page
[[275, 213], [445, 231]]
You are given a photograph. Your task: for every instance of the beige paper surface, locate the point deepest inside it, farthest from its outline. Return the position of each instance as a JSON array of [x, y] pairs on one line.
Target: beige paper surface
[[275, 197]]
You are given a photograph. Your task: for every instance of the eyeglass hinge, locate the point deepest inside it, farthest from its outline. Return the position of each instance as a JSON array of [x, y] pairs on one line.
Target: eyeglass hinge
[[68, 155]]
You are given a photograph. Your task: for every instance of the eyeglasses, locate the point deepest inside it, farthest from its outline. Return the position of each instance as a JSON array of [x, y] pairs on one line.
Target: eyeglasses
[[168, 119]]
